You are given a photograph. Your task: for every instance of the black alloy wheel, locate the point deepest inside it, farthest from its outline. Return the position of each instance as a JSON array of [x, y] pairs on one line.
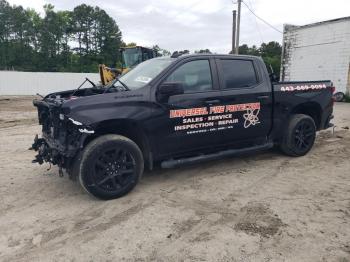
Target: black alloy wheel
[[114, 170], [299, 135], [304, 135], [111, 166]]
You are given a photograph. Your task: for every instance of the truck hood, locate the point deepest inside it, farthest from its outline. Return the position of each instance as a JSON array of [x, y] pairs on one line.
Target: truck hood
[[88, 107]]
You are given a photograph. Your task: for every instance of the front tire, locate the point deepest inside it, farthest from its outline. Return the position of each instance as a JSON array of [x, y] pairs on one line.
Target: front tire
[[299, 135], [111, 166]]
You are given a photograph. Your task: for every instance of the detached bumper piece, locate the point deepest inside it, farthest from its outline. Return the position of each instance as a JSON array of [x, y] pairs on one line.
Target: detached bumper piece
[[45, 153]]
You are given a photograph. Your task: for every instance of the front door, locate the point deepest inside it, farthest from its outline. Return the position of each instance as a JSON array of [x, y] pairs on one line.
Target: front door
[[181, 123]]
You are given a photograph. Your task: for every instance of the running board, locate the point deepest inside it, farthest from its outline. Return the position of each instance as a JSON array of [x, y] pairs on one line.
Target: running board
[[214, 156]]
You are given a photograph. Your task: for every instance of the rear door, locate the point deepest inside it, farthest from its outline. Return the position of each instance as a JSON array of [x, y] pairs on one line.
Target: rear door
[[247, 95]]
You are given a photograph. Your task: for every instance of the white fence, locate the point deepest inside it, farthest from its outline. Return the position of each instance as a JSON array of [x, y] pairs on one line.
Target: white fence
[[30, 83]]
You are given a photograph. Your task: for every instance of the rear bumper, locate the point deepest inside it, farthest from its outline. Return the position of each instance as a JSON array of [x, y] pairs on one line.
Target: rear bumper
[[327, 123]]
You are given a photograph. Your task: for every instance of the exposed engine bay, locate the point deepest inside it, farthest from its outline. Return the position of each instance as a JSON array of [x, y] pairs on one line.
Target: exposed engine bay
[[62, 136]]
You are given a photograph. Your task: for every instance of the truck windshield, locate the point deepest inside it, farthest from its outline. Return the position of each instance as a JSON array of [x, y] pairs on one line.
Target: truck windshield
[[143, 73], [131, 57]]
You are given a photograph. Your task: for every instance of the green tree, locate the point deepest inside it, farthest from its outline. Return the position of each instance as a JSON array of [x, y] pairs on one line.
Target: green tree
[[82, 20], [51, 39], [109, 38], [131, 44], [5, 31], [203, 51], [161, 51], [15, 40], [65, 26], [270, 53], [182, 52], [75, 41], [97, 35]]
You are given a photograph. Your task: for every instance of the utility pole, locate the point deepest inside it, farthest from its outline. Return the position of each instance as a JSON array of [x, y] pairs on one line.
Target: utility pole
[[234, 31], [238, 25]]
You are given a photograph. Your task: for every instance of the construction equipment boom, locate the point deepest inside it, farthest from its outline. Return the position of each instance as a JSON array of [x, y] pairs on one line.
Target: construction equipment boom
[[131, 56]]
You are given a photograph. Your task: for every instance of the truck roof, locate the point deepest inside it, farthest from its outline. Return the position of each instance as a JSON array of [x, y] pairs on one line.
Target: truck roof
[[181, 56]]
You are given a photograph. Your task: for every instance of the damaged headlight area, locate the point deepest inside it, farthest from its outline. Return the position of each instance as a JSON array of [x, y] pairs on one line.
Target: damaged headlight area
[[85, 130]]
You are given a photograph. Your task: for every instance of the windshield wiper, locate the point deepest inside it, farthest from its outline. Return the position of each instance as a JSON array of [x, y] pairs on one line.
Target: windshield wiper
[[92, 83], [112, 85], [123, 84], [86, 80]]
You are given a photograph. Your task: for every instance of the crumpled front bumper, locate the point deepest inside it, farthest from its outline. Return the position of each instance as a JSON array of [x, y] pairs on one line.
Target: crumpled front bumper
[[52, 152], [62, 136], [40, 146], [58, 151]]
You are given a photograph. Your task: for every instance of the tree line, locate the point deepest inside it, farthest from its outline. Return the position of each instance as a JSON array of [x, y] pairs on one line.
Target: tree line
[[77, 40], [270, 52], [74, 41]]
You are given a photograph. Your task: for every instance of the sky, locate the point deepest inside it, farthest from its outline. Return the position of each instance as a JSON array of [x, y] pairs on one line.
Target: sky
[[200, 24]]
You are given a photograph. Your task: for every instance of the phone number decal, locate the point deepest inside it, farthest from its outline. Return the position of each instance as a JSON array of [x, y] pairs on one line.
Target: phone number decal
[[291, 88]]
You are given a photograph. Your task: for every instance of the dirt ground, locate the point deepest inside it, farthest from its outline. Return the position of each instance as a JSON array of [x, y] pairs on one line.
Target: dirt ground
[[263, 207]]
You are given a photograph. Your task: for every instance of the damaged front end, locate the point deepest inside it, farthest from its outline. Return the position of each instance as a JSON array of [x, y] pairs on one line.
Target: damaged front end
[[62, 137]]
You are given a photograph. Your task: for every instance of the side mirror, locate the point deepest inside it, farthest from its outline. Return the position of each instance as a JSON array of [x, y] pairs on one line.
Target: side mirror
[[169, 89]]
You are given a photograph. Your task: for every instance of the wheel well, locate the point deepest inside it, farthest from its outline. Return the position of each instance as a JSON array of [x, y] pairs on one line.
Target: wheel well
[[129, 129], [311, 109]]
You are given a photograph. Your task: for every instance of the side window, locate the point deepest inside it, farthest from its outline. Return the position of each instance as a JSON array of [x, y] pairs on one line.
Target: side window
[[195, 76], [238, 73]]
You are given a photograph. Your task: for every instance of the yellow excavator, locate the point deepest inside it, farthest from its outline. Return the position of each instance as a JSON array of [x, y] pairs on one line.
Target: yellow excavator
[[131, 56]]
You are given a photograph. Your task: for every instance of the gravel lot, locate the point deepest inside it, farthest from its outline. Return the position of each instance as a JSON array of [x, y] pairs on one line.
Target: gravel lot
[[263, 207]]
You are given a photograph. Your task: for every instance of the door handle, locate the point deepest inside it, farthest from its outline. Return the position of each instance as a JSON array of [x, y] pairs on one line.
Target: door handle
[[263, 97], [213, 101]]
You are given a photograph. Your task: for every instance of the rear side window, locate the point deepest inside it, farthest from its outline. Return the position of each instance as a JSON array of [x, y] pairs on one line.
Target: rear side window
[[238, 73]]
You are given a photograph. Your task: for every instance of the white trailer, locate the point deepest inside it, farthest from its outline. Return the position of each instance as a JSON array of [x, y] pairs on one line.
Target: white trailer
[[30, 83], [319, 51]]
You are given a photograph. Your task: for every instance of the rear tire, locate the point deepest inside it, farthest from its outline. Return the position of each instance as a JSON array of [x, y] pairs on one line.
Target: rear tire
[[299, 135], [111, 166]]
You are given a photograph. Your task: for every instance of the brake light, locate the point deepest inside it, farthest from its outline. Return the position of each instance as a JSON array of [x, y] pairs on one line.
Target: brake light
[[333, 89]]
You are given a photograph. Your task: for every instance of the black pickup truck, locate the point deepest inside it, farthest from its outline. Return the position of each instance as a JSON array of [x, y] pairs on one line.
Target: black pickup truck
[[170, 111]]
